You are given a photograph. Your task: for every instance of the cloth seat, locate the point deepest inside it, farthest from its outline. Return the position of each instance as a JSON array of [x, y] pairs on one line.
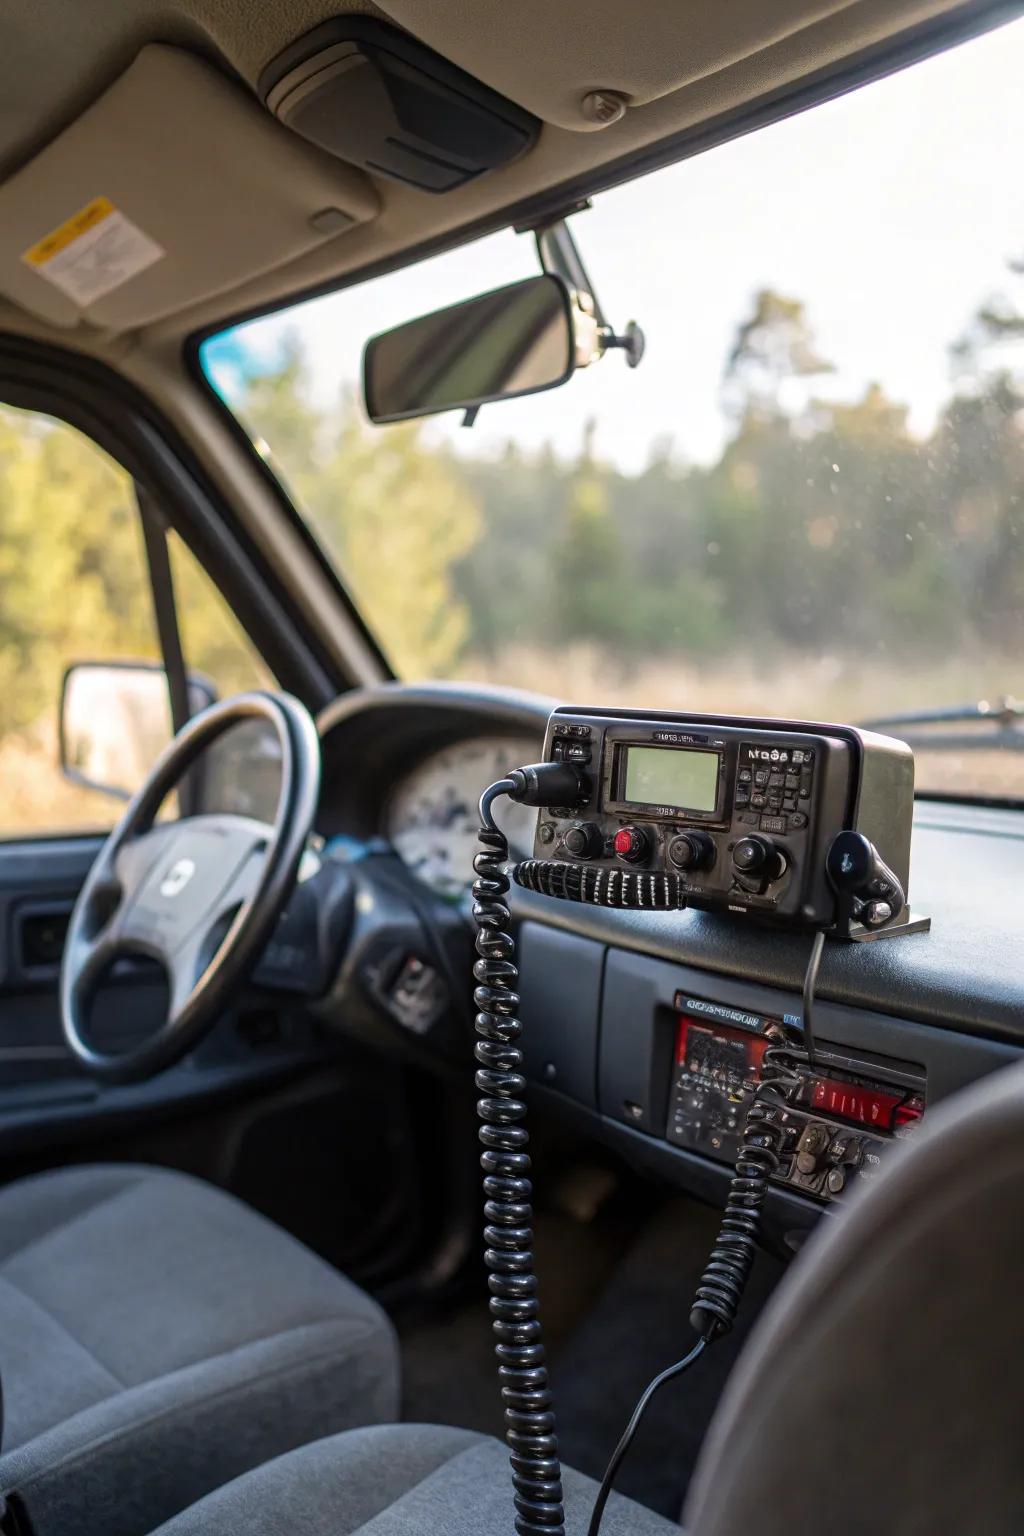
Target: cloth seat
[[881, 1388], [157, 1338], [396, 1480]]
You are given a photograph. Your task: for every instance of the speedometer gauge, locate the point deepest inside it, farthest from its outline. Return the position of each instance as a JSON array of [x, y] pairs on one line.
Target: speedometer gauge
[[433, 820]]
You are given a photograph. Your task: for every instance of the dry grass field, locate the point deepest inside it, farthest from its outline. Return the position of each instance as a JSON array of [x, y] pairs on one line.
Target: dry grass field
[[797, 687], [35, 798]]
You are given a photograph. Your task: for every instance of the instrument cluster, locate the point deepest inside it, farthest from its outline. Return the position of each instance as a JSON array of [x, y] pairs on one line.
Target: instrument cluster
[[431, 818]]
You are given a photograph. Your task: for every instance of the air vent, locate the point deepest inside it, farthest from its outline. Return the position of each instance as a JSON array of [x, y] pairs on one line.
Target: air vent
[[375, 97]]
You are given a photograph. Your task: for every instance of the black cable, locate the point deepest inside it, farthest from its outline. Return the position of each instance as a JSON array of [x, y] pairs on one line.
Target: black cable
[[725, 1275], [628, 1434], [515, 1310], [810, 984], [525, 1391]]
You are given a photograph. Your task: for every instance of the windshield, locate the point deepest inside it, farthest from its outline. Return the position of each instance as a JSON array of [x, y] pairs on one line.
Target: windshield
[[806, 500]]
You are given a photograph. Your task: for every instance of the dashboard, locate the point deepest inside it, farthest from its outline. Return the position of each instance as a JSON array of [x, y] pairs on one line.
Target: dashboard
[[403, 768]]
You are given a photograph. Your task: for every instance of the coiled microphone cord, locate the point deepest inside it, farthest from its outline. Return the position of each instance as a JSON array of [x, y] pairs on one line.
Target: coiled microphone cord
[[522, 1369], [725, 1275]]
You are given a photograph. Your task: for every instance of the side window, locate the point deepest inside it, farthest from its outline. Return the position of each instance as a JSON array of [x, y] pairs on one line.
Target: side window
[[74, 586], [213, 640]]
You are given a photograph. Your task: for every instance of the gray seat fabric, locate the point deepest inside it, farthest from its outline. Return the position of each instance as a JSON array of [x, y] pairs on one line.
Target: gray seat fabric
[[883, 1388], [157, 1337], [398, 1480]]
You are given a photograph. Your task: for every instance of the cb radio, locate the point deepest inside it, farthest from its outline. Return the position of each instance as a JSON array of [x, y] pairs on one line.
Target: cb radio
[[784, 822], [729, 815]]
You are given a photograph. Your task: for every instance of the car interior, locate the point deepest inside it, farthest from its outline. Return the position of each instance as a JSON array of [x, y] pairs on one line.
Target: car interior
[[511, 1002]]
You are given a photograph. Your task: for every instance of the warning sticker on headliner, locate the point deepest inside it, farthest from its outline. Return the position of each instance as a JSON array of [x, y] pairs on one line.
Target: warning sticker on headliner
[[93, 252]]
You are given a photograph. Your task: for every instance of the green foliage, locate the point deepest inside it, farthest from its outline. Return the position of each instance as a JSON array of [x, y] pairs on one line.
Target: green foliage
[[396, 515], [73, 577], [72, 573], [587, 563], [823, 527]]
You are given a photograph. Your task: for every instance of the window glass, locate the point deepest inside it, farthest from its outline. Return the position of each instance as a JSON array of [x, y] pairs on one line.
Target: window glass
[[806, 501], [74, 586], [213, 640]]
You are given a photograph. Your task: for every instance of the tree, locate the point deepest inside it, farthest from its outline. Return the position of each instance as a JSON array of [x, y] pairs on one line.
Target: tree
[[992, 347], [773, 348], [399, 517], [396, 515], [588, 590], [72, 575]]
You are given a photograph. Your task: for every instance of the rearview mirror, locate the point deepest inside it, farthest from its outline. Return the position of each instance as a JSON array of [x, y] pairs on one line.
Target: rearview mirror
[[115, 720], [514, 341]]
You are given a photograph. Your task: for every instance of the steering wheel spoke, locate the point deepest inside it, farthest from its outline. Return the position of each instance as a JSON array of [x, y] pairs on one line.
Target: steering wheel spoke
[[200, 896], [216, 928]]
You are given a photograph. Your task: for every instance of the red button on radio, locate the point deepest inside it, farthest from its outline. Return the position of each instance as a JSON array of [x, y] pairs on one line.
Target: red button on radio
[[631, 844]]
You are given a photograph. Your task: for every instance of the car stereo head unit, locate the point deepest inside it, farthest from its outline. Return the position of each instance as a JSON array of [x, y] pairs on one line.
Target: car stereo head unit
[[739, 814]]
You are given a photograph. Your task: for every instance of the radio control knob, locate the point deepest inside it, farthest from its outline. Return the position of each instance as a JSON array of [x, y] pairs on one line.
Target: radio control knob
[[584, 841], [631, 844], [758, 860], [812, 1148], [692, 851]]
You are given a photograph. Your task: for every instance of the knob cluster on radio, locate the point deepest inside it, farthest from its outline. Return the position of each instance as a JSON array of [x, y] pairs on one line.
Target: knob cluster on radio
[[835, 1126]]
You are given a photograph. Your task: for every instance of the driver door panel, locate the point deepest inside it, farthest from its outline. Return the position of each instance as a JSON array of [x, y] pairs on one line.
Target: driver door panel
[[39, 882]]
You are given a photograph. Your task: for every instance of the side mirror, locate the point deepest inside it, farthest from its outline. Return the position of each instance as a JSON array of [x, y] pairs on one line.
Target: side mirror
[[514, 341], [115, 720]]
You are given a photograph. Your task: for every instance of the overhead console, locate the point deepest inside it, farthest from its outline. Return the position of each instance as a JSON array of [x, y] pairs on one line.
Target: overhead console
[[551, 58], [376, 97]]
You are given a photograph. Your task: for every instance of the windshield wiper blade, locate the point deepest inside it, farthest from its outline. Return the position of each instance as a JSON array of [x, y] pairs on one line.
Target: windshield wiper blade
[[1006, 716]]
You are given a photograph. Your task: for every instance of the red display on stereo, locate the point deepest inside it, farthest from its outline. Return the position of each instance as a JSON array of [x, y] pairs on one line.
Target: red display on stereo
[[854, 1101], [706, 1046]]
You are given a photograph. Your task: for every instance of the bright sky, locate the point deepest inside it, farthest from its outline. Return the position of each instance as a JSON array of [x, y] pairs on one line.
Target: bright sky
[[890, 212]]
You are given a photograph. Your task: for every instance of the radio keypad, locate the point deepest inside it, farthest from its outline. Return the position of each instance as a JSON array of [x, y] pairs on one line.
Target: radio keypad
[[777, 781]]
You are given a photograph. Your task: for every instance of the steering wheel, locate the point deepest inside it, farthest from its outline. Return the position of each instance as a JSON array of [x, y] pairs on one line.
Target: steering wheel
[[200, 895]]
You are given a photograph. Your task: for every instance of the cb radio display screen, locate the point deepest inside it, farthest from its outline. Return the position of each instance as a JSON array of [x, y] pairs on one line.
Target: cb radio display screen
[[685, 780]]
